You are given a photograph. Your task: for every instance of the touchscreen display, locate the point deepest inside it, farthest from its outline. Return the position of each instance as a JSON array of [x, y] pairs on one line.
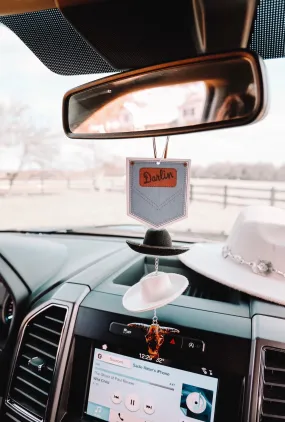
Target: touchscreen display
[[125, 389]]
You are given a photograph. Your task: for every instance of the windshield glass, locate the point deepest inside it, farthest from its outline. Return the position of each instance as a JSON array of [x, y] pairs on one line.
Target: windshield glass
[[50, 181]]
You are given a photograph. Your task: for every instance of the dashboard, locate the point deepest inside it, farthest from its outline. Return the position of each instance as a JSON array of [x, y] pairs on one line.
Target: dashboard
[[68, 353]]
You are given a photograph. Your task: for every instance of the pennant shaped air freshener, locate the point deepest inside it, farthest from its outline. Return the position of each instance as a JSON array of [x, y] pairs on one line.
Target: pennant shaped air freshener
[[158, 190]]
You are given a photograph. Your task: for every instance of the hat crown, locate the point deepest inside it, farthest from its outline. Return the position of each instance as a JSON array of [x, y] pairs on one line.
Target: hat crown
[[158, 238], [155, 286], [259, 234]]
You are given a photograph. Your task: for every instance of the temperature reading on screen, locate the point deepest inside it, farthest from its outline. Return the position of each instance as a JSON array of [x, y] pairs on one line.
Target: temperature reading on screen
[[159, 360]]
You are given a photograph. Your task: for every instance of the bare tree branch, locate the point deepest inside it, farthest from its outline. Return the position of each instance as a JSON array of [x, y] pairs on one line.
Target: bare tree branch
[[35, 144]]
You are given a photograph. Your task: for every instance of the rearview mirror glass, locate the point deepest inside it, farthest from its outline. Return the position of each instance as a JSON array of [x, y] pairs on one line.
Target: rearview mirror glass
[[188, 96]]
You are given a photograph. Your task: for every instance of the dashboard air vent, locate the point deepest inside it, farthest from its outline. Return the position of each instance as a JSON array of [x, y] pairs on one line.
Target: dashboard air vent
[[273, 397], [12, 417], [35, 364]]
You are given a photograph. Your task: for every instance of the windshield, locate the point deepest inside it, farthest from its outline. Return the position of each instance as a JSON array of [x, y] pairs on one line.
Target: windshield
[[50, 181]]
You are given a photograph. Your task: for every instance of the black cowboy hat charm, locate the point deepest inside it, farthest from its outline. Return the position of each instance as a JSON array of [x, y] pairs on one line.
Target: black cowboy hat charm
[[157, 243]]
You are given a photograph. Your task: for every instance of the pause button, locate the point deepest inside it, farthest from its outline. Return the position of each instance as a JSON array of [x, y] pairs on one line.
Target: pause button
[[132, 402]]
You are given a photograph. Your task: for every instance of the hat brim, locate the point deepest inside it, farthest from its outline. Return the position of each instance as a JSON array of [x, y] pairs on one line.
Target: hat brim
[[157, 250], [207, 260], [134, 302]]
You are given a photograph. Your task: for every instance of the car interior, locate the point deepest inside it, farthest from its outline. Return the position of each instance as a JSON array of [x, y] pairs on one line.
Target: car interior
[[70, 350]]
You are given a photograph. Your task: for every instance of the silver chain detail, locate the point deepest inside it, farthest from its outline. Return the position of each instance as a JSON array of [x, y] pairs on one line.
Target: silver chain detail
[[156, 264], [154, 319], [260, 267]]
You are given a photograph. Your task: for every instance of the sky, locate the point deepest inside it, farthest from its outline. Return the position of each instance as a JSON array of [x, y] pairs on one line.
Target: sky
[[23, 78]]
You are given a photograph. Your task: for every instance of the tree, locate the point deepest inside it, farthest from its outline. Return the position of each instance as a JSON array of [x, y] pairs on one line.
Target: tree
[[240, 171], [281, 173], [33, 144]]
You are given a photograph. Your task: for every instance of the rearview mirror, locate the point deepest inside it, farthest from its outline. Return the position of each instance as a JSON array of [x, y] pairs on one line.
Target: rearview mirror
[[207, 92]]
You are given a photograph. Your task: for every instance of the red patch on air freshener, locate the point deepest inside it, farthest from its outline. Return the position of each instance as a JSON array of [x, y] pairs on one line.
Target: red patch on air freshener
[[159, 177]]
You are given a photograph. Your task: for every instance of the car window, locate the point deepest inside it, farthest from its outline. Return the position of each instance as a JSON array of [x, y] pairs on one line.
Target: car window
[[48, 180]]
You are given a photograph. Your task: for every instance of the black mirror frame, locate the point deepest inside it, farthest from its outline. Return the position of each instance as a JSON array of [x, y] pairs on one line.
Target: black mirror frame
[[258, 113]]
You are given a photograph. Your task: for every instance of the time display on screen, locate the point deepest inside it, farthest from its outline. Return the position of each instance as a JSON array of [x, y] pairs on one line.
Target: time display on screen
[[149, 358]]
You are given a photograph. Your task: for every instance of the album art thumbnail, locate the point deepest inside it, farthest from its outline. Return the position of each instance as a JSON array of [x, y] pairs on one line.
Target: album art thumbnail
[[196, 402]]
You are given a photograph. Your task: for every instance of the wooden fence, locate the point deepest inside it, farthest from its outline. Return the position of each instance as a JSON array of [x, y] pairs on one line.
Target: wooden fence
[[228, 195], [215, 193]]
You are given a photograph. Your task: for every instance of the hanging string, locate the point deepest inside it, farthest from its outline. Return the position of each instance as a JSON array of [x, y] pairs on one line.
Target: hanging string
[[164, 155]]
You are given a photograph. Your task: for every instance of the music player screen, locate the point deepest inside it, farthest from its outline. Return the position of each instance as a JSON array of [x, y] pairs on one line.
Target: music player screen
[[125, 389]]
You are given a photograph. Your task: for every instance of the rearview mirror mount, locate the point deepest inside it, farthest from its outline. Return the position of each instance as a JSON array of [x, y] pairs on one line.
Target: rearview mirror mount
[[204, 93]]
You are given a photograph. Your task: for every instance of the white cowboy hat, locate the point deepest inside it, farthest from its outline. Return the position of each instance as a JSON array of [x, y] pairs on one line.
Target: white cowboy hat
[[253, 258], [154, 291]]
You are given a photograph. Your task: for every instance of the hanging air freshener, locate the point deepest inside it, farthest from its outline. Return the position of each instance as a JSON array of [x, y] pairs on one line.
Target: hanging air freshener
[[158, 189]]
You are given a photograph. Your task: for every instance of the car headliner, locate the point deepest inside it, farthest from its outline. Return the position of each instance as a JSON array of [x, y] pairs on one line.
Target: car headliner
[[43, 28]]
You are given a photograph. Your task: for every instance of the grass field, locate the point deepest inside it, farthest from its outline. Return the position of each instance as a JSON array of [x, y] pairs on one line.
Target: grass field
[[31, 205]]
